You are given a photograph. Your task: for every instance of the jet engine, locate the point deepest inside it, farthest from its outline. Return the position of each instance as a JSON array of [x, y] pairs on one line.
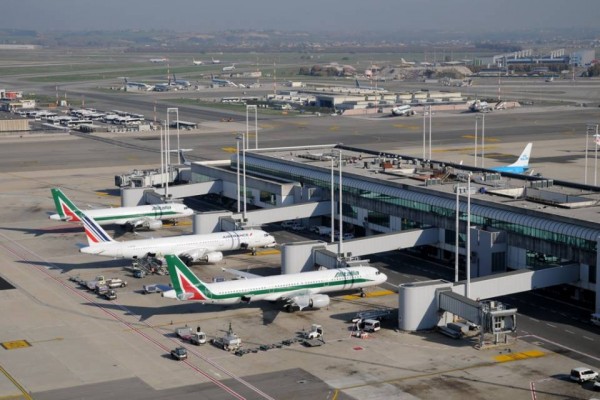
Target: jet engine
[[213, 257], [318, 301], [302, 302], [154, 224]]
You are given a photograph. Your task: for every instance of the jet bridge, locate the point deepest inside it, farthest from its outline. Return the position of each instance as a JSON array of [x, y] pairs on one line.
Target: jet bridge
[[493, 317], [425, 305], [302, 256]]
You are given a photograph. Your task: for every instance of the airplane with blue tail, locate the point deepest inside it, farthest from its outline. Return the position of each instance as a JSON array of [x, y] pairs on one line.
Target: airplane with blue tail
[[519, 166]]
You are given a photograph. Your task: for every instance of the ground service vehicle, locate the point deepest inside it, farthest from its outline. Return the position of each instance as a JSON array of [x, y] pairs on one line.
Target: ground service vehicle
[[583, 374], [229, 342], [116, 283], [595, 319], [155, 288], [314, 337], [368, 325], [196, 337], [179, 353], [110, 295], [372, 314]]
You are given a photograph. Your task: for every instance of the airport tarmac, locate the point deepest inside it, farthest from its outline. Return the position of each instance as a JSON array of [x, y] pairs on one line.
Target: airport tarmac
[[66, 343]]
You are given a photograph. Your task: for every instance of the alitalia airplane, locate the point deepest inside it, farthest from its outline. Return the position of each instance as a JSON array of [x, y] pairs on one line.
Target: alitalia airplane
[[299, 291], [191, 248], [148, 217]]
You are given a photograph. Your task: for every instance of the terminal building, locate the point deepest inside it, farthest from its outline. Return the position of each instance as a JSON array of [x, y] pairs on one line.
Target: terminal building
[[524, 232]]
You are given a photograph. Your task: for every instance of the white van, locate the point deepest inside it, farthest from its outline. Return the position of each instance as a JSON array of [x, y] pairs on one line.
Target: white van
[[583, 374], [371, 325]]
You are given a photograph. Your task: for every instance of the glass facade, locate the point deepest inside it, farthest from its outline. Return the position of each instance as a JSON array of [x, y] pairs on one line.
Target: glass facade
[[377, 213]]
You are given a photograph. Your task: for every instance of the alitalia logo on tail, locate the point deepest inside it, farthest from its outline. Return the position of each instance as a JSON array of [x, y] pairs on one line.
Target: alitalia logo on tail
[[186, 284], [93, 231], [64, 207]]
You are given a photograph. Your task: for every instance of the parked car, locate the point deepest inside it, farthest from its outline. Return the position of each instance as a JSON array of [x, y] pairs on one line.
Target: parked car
[[583, 374], [110, 295], [179, 353]]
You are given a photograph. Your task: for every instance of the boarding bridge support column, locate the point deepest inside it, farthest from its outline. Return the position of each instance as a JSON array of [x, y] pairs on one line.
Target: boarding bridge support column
[[209, 222], [132, 197], [299, 256], [418, 304]]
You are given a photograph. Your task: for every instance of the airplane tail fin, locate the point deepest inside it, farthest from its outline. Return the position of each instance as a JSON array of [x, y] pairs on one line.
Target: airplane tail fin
[[186, 284], [95, 234], [523, 160], [67, 211]]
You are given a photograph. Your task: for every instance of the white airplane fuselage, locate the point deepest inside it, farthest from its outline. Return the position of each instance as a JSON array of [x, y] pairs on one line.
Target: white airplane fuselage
[[125, 215], [193, 245], [273, 288]]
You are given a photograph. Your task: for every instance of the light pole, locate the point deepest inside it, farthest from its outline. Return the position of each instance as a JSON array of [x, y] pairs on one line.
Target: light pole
[[332, 198], [424, 120], [468, 244], [167, 159], [596, 141], [176, 111], [237, 164], [456, 236], [255, 108], [591, 128], [244, 173], [483, 140], [340, 247], [162, 159], [475, 155], [429, 107]]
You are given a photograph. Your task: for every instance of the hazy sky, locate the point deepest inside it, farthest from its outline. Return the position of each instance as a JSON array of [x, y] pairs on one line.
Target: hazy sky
[[301, 15]]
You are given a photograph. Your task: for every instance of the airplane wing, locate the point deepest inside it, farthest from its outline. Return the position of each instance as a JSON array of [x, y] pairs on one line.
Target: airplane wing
[[241, 274]]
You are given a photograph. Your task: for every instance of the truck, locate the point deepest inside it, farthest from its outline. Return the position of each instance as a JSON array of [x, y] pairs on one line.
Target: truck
[[321, 230], [313, 337], [97, 281], [196, 337], [229, 342], [116, 283], [179, 353]]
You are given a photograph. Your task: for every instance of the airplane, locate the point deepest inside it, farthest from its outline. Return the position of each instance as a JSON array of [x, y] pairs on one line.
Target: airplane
[[229, 68], [221, 82], [199, 62], [519, 166], [404, 62], [180, 82], [192, 248], [149, 217], [404, 110], [215, 61], [378, 89], [138, 85], [299, 291], [158, 60]]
